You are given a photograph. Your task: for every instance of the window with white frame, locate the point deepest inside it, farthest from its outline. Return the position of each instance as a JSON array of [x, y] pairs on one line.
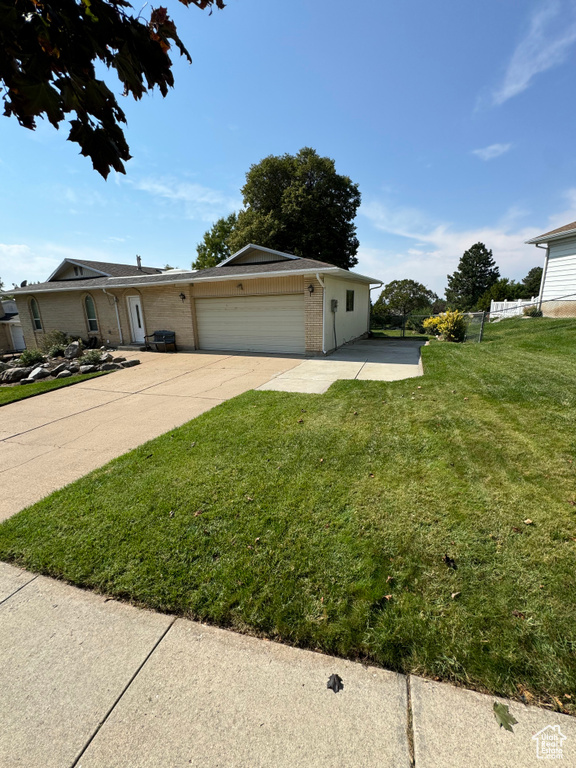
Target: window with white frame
[[35, 312], [90, 313]]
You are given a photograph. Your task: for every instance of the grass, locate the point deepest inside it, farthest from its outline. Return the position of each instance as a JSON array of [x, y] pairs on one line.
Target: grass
[[324, 520], [15, 393]]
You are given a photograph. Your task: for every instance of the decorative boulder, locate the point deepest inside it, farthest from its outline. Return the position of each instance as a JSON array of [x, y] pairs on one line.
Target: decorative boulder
[[63, 374], [59, 369], [129, 363], [88, 369], [27, 381], [106, 357], [119, 360], [74, 368], [39, 373], [4, 367], [109, 367], [73, 350], [12, 375]]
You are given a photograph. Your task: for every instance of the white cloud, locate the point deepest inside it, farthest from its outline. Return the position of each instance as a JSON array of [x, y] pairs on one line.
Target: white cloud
[[494, 150], [551, 34], [433, 249], [200, 203]]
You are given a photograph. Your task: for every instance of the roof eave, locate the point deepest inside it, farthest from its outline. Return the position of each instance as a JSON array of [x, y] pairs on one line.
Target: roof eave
[[548, 238]]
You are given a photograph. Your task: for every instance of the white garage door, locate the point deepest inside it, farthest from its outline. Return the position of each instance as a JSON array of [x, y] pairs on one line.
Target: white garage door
[[252, 324]]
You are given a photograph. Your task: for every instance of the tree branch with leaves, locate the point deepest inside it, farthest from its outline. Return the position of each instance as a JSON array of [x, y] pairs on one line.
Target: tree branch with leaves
[[48, 54]]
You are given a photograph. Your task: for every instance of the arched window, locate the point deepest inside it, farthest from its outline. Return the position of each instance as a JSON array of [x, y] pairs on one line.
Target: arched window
[[36, 320], [91, 313]]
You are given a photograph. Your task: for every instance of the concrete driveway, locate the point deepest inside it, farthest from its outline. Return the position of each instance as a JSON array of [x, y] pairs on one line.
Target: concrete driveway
[[48, 441]]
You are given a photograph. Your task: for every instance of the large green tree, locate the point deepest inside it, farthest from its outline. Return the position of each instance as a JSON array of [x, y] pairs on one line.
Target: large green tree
[[214, 247], [503, 289], [532, 282], [400, 297], [48, 54], [476, 273], [301, 205]]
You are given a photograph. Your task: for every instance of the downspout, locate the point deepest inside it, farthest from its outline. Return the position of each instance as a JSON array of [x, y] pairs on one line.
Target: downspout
[[323, 310], [117, 314], [547, 247]]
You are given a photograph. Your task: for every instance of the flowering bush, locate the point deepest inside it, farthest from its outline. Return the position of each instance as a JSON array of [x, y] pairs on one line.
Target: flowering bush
[[450, 325]]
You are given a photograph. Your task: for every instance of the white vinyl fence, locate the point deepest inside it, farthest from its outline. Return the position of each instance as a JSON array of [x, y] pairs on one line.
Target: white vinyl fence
[[511, 308]]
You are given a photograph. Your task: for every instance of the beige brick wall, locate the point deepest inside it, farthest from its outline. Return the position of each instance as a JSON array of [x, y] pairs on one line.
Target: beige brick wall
[[257, 287], [313, 304], [163, 310], [64, 311]]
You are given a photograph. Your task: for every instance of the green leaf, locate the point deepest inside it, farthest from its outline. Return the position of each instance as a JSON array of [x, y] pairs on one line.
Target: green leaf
[[503, 716]]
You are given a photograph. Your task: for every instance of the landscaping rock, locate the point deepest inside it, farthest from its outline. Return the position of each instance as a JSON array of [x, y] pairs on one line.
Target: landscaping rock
[[88, 369], [119, 360], [59, 368], [73, 368], [27, 381], [73, 350], [39, 373], [129, 363], [4, 367], [12, 375], [64, 374], [106, 358], [109, 367]]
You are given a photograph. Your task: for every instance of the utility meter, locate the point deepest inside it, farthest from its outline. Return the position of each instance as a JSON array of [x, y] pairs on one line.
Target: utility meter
[[333, 305]]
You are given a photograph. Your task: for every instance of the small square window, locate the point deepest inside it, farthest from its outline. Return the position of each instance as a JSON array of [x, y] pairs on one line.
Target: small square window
[[349, 301]]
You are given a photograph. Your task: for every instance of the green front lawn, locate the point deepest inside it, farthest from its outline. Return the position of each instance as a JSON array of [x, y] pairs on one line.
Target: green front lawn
[[21, 392], [332, 521]]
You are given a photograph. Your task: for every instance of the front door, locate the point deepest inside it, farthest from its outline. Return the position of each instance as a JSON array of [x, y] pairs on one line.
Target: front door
[[136, 319], [17, 337]]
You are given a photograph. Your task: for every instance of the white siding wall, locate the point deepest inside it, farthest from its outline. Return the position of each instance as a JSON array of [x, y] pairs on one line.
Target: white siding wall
[[349, 325], [561, 273]]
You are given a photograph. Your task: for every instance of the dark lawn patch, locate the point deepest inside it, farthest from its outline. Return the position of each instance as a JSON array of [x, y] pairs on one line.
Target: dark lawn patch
[[325, 520], [21, 392]]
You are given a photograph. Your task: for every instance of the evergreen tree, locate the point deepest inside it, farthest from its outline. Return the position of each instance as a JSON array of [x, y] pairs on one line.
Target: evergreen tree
[[532, 282], [476, 273]]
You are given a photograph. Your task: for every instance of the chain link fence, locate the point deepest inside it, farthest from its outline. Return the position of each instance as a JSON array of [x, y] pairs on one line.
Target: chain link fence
[[411, 326]]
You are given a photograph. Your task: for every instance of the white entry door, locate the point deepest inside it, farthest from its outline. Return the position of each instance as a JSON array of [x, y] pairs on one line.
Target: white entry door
[[18, 343], [136, 319]]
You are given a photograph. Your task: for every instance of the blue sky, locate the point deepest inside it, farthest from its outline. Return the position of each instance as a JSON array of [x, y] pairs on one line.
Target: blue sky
[[455, 119]]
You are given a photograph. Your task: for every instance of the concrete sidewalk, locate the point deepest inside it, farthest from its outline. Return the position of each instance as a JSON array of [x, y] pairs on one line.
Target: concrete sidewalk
[[88, 682], [367, 360]]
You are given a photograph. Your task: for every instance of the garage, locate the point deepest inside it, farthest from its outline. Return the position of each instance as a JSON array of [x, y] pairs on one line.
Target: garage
[[252, 324]]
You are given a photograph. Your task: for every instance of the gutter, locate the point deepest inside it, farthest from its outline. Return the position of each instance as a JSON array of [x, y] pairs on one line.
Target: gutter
[[117, 314], [543, 275], [370, 302], [190, 280]]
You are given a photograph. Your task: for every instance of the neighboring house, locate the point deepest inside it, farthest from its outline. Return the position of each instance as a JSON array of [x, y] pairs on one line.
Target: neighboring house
[[258, 300], [11, 335], [558, 287]]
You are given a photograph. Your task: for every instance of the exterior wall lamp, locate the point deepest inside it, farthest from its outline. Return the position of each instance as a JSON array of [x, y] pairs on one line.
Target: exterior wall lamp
[[182, 297], [310, 289]]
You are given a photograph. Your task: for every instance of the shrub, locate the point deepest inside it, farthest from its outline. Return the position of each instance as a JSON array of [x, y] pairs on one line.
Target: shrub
[[56, 351], [450, 325], [31, 357], [53, 339], [532, 311], [91, 357]]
